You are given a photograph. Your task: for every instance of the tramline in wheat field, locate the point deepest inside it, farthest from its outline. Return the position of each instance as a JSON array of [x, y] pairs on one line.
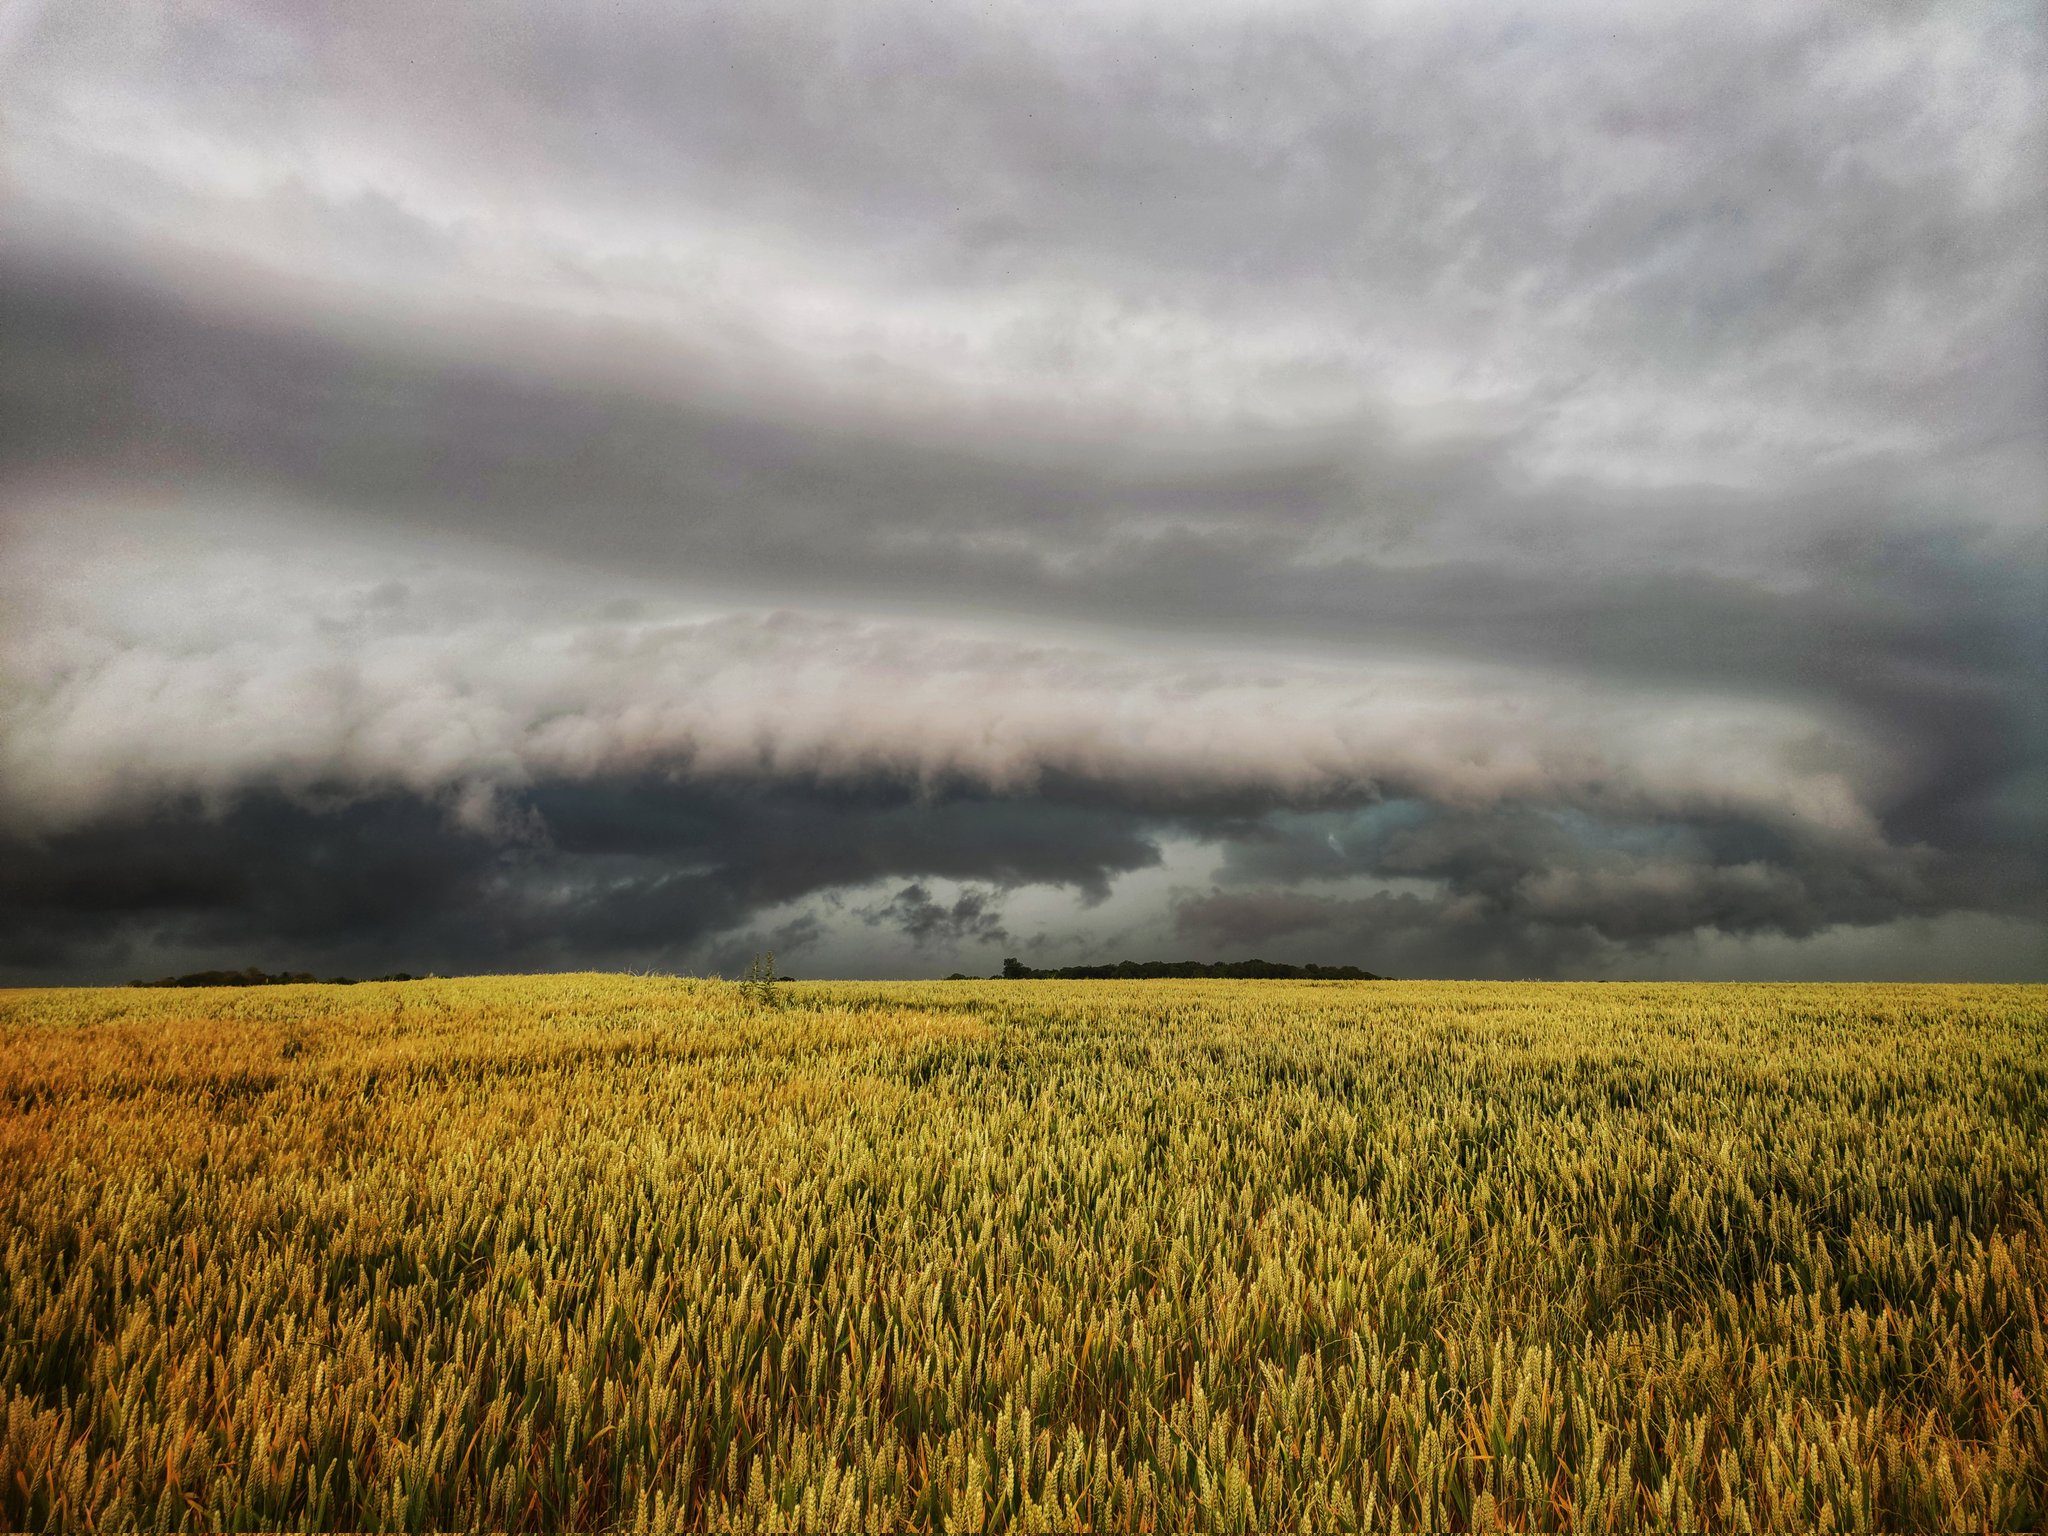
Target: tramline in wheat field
[[592, 1251]]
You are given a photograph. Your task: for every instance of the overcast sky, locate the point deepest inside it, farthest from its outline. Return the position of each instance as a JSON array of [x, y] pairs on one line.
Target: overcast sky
[[1452, 488]]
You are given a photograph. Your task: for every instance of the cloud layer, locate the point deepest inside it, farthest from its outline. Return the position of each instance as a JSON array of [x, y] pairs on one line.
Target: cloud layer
[[1518, 491]]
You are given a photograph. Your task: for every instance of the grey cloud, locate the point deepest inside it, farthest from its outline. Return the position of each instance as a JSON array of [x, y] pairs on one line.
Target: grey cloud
[[700, 877], [1724, 179], [1840, 587], [253, 656], [617, 872], [1528, 890], [1614, 433], [735, 954], [974, 915]]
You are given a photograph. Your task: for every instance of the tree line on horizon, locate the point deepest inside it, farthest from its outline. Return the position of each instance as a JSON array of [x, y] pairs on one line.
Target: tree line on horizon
[[251, 977], [1178, 970]]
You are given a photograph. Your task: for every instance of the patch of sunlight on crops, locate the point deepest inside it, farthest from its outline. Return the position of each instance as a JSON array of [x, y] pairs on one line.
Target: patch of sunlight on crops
[[584, 1251]]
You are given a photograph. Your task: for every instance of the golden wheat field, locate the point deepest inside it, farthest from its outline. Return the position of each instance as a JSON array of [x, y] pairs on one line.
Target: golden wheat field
[[596, 1251]]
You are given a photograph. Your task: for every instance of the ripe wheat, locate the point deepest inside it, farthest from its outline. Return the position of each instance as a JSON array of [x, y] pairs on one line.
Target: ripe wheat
[[593, 1251]]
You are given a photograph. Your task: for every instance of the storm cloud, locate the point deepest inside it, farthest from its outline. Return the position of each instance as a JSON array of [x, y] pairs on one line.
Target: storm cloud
[[1466, 489]]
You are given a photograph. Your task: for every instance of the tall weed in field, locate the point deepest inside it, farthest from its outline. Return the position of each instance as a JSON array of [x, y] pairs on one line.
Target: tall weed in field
[[593, 1251], [760, 980]]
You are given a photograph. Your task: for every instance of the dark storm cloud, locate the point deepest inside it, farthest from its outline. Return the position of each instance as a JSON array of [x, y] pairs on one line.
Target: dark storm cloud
[[975, 914], [774, 845], [620, 874], [1614, 433], [1521, 890]]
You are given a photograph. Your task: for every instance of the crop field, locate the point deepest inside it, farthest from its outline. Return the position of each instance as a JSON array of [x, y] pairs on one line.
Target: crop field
[[597, 1251]]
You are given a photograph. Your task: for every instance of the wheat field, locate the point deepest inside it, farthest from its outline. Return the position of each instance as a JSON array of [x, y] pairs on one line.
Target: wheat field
[[602, 1252]]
